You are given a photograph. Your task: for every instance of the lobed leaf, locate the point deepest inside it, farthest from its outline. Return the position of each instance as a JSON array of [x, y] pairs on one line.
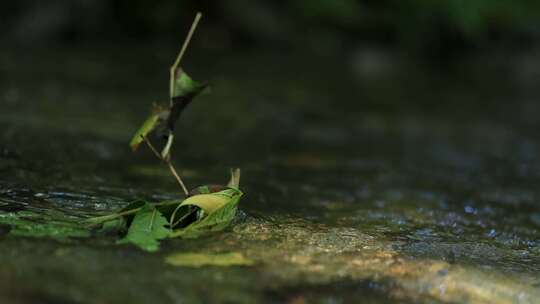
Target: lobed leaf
[[146, 229], [209, 208]]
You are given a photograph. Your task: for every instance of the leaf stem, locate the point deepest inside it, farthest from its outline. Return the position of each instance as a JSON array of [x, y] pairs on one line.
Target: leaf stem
[[151, 147], [172, 221], [169, 164], [165, 153], [181, 54], [178, 179], [94, 221]]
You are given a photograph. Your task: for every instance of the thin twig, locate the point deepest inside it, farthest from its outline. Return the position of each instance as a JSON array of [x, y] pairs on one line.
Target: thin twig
[[181, 54], [94, 221], [178, 179], [167, 161], [165, 153], [151, 147], [172, 223], [183, 217]]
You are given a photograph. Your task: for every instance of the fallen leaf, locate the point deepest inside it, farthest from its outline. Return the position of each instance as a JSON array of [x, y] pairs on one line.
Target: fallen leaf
[[191, 259], [146, 229], [219, 211], [30, 224]]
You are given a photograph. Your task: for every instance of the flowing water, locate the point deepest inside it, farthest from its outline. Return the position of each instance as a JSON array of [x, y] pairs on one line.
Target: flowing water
[[390, 186]]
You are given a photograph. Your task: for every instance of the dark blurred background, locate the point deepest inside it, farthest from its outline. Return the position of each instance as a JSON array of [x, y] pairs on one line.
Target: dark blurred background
[[370, 37], [438, 30], [385, 65]]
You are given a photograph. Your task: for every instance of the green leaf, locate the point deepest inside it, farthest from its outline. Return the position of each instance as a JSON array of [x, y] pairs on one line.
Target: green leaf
[[184, 90], [148, 126], [208, 202], [219, 209], [212, 209], [192, 259], [165, 117], [184, 85], [147, 228]]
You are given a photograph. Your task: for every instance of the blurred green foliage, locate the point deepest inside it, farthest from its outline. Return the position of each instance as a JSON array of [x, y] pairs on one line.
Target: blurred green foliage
[[418, 22], [402, 23]]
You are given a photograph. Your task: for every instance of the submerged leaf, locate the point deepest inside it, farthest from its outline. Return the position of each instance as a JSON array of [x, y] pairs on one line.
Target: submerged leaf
[[147, 228], [30, 224], [207, 259]]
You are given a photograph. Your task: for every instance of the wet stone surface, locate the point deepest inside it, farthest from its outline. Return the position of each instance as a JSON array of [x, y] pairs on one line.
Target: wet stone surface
[[352, 191]]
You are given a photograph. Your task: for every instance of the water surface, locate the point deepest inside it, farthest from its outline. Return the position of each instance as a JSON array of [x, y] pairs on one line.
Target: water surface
[[400, 186]]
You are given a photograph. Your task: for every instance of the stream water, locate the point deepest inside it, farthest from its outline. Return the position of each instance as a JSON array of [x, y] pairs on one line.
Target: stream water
[[403, 185]]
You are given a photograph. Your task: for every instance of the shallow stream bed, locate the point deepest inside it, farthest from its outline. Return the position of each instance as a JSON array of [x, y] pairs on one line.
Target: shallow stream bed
[[400, 187]]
